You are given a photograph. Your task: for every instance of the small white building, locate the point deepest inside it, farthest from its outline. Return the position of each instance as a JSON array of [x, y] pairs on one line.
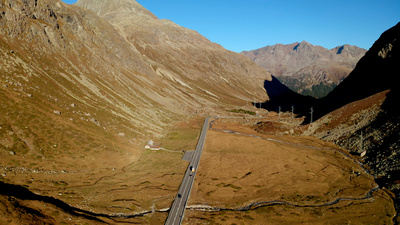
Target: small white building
[[152, 145]]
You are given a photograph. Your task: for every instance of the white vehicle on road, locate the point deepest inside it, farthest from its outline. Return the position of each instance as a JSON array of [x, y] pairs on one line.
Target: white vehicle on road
[[191, 168]]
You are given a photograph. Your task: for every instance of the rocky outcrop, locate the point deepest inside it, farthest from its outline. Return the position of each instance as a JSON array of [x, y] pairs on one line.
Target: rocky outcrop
[[306, 68]]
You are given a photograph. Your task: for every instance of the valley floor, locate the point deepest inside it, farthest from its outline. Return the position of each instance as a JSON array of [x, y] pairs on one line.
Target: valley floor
[[136, 186], [270, 176], [246, 177]]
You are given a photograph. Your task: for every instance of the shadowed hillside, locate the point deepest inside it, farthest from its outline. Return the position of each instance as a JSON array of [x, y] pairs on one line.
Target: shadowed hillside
[[362, 115], [284, 98], [375, 72]]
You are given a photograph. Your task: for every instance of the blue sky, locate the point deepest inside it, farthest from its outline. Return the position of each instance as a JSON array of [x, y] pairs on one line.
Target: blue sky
[[246, 25]]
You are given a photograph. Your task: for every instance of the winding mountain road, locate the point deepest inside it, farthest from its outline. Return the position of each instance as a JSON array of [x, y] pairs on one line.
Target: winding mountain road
[[177, 210]]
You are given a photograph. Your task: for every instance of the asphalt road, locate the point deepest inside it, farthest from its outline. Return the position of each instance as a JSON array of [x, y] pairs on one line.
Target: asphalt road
[[177, 210]]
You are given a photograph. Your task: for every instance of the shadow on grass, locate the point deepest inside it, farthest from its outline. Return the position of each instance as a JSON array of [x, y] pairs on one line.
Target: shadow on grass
[[22, 193]]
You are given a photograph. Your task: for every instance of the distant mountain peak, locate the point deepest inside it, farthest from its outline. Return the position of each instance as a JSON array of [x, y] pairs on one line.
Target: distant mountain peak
[[304, 66], [302, 45], [306, 43], [348, 50]]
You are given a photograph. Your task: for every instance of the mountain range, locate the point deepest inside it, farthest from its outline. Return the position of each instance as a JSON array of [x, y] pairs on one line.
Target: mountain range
[[305, 68]]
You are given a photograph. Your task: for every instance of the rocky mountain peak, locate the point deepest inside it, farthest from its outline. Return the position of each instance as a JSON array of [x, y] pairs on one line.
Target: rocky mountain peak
[[348, 51], [305, 67], [302, 45]]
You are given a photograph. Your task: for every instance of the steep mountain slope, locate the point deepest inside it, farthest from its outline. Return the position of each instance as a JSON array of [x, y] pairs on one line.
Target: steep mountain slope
[[374, 73], [366, 119], [306, 68], [132, 88], [82, 59], [79, 96], [182, 56], [86, 57]]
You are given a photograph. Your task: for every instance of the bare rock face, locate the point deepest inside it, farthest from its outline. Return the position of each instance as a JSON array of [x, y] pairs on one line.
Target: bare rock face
[[306, 68]]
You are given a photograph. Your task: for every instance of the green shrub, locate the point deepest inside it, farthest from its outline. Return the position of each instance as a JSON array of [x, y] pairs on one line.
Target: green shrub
[[242, 111]]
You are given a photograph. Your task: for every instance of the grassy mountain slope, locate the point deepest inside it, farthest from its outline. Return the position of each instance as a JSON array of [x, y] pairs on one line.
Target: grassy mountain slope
[[80, 96], [196, 69]]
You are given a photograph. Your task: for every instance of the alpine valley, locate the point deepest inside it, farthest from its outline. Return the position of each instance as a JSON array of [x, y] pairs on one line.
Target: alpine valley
[[84, 87]]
